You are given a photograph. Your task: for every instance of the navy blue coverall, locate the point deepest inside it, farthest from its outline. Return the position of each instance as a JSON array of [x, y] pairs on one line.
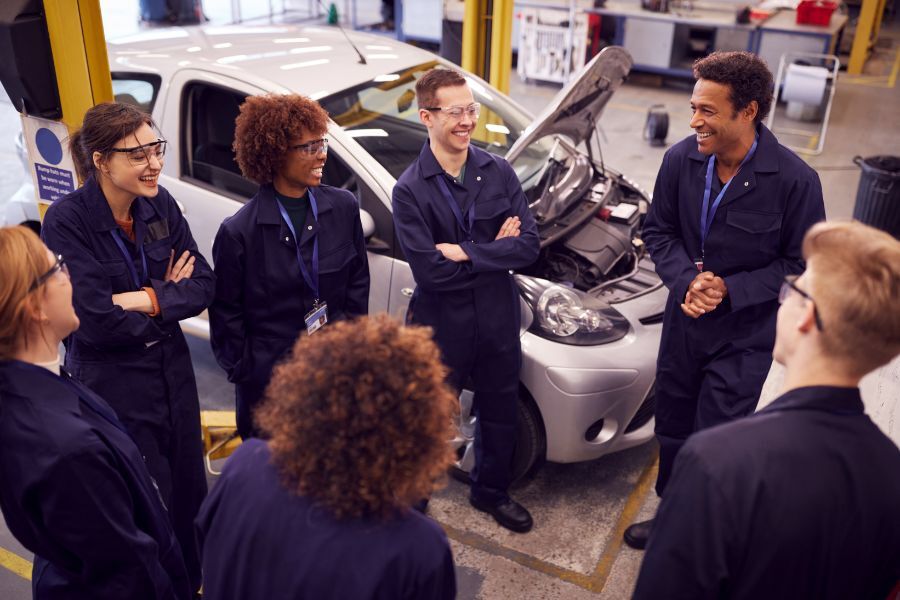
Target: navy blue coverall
[[75, 491], [796, 501], [260, 540], [472, 306], [139, 364], [261, 297], [711, 370]]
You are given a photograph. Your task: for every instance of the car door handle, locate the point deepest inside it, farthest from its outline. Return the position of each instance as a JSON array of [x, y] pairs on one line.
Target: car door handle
[[408, 292]]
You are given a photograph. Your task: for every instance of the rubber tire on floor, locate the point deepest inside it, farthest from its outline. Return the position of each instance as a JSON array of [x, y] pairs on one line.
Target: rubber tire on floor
[[530, 442]]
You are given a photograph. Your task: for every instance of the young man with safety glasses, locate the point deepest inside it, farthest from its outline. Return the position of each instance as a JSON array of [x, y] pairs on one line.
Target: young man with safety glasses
[[463, 224], [800, 499]]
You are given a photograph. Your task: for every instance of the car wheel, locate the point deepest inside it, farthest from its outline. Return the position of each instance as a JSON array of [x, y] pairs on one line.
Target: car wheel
[[530, 439]]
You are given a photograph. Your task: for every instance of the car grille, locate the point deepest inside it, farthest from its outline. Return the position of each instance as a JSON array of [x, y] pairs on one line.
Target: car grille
[[644, 412]]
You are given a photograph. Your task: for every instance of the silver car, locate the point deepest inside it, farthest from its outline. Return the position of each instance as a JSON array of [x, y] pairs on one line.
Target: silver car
[[592, 304]]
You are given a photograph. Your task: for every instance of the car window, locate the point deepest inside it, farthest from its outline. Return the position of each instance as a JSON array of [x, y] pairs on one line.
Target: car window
[[207, 136], [383, 117], [338, 174], [137, 89]]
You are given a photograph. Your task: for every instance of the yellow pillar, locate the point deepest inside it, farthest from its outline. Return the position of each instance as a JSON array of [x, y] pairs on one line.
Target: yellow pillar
[[473, 37], [501, 44], [79, 57], [861, 39]]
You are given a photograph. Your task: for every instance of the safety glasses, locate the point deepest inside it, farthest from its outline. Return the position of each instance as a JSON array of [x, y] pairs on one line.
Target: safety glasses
[[58, 265], [139, 156], [788, 285], [312, 148], [456, 112]]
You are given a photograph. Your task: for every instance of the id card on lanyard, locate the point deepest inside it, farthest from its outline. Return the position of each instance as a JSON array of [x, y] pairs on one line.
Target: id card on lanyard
[[469, 222], [318, 316], [707, 213]]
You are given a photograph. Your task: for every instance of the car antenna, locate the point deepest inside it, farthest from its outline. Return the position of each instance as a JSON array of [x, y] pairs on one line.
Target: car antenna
[[362, 59]]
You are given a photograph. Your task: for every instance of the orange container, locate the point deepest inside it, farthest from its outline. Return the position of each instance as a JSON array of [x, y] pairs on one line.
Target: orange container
[[815, 12]]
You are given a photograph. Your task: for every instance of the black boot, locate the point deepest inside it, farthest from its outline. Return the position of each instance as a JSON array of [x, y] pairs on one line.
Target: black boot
[[637, 535]]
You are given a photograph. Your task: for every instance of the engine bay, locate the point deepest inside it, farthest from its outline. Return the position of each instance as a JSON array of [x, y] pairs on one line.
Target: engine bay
[[589, 222]]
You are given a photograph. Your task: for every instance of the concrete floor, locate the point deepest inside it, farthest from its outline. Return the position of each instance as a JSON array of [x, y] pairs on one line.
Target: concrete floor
[[580, 510]]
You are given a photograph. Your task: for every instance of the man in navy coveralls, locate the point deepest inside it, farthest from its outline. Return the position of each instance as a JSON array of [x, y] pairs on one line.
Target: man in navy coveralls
[[799, 500], [729, 211], [463, 222]]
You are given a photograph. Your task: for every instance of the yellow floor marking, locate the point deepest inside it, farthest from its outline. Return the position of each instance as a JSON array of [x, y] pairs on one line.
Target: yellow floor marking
[[879, 81], [629, 515], [893, 79], [597, 580], [15, 563]]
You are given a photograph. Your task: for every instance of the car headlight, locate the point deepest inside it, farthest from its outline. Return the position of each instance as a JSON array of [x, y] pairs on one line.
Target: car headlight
[[570, 316]]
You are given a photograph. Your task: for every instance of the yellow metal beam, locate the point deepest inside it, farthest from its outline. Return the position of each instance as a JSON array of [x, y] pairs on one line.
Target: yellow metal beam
[[501, 44], [473, 37], [79, 57], [862, 38]]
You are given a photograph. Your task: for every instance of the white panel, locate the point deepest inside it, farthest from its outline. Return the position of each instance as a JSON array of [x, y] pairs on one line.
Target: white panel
[[649, 42], [422, 19], [775, 43]]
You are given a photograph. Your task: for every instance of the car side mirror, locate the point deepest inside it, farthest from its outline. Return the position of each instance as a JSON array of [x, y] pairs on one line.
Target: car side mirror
[[368, 223]]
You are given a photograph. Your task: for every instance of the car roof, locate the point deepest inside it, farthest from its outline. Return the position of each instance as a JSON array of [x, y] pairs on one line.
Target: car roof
[[314, 60]]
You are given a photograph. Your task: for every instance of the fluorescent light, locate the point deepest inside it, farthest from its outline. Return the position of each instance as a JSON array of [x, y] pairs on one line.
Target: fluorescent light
[[356, 133]]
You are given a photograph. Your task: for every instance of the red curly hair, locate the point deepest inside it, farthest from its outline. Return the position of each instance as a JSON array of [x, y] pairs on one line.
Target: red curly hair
[[359, 417], [267, 126]]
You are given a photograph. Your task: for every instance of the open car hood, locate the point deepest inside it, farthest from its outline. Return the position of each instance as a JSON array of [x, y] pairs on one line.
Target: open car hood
[[577, 107]]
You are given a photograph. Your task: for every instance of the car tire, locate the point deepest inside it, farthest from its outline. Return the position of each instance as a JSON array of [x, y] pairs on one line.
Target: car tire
[[531, 443]]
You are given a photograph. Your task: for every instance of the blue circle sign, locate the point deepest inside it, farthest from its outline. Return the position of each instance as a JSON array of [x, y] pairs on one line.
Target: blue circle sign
[[48, 145]]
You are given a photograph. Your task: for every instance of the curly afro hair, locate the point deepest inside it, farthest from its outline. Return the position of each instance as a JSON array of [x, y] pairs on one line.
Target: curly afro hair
[[360, 416], [266, 127], [745, 73]]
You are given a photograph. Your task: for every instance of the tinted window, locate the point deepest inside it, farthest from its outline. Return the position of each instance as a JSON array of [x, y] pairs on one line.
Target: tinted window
[[338, 174], [383, 117], [208, 114]]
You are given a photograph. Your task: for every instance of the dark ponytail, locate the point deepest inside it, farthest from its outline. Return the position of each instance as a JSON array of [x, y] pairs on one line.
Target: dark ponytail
[[103, 126]]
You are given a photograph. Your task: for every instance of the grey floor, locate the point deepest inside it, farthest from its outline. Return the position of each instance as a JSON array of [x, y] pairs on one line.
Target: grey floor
[[580, 510]]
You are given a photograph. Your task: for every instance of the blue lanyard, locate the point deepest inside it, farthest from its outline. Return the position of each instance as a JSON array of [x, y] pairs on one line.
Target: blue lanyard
[[312, 281], [707, 214], [129, 261], [467, 225]]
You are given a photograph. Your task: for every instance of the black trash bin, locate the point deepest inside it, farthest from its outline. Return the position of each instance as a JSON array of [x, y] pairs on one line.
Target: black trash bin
[[878, 195]]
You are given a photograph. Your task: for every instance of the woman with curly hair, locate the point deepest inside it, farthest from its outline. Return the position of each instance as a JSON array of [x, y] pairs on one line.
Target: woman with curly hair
[[290, 260], [73, 485], [358, 420]]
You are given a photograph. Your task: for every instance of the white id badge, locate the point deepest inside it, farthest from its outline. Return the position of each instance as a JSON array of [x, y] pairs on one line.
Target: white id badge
[[315, 318]]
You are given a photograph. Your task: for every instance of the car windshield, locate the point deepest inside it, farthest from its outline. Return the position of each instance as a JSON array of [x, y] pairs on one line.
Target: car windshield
[[383, 118]]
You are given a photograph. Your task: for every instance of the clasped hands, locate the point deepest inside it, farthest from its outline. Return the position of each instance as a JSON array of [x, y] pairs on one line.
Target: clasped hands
[[704, 294], [510, 228]]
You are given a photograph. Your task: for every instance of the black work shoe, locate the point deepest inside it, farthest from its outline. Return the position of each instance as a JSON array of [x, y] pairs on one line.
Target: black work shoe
[[637, 535], [508, 513]]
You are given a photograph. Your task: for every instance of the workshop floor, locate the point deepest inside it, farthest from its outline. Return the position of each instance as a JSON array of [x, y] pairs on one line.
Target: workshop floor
[[580, 510]]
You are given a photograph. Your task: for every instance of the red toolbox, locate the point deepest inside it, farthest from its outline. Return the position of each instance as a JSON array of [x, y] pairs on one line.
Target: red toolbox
[[815, 12]]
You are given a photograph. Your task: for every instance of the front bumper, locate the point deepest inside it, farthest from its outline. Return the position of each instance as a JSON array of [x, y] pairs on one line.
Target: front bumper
[[590, 396]]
